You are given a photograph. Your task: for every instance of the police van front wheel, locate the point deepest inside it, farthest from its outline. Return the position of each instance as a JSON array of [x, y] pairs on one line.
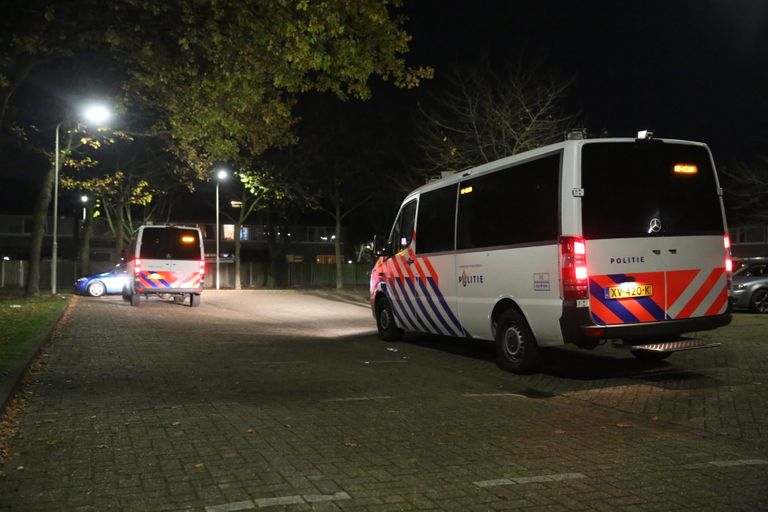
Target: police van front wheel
[[516, 349], [385, 321]]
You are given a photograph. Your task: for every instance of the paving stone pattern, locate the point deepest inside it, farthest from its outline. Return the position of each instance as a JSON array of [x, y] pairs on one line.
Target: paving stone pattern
[[285, 401]]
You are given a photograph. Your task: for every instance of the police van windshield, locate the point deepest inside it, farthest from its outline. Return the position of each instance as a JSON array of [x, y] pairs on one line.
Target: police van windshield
[[170, 244], [641, 189]]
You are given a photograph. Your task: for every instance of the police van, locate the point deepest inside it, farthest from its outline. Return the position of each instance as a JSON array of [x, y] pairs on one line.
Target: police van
[[166, 260], [579, 242]]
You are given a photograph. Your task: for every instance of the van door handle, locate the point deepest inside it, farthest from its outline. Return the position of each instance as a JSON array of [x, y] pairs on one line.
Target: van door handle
[[673, 251], [409, 261], [656, 251]]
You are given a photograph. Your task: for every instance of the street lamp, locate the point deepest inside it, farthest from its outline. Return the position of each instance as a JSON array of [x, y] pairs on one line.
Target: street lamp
[[221, 175], [84, 200], [96, 114]]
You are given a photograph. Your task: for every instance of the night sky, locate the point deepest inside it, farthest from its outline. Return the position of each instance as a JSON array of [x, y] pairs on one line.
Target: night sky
[[687, 69], [693, 70]]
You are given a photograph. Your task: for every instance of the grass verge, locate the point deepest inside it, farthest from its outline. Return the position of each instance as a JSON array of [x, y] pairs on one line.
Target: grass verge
[[22, 321]]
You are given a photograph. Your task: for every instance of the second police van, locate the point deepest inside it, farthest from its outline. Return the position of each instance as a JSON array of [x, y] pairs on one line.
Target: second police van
[[577, 243], [166, 260]]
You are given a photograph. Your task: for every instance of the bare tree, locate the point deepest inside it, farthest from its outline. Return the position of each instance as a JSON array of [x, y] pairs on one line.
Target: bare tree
[[747, 191], [482, 117]]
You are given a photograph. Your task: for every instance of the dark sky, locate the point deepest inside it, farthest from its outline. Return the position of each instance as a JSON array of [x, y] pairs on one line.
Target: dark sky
[[695, 69]]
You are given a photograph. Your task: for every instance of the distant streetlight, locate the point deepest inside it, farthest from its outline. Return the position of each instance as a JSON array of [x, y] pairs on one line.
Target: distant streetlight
[[84, 200], [98, 115], [221, 175]]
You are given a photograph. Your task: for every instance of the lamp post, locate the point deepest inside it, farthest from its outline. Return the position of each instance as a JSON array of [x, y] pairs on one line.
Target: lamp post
[[84, 200], [221, 174], [98, 115]]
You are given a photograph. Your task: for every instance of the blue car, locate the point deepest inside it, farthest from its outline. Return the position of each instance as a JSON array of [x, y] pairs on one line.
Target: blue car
[[104, 283]]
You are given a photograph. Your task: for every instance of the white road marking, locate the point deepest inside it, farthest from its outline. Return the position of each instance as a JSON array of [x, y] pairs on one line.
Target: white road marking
[[259, 363], [231, 507], [357, 399], [727, 463], [558, 477], [278, 500], [483, 395]]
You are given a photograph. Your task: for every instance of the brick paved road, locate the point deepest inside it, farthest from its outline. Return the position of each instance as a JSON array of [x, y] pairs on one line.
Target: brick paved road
[[286, 401]]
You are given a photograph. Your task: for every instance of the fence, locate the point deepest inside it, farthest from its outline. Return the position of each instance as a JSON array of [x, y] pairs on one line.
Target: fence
[[13, 274], [287, 275]]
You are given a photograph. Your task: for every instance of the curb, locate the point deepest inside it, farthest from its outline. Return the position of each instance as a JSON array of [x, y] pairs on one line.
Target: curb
[[12, 381]]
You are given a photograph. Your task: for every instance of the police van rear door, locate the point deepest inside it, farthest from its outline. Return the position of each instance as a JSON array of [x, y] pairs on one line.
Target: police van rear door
[[654, 228], [170, 257]]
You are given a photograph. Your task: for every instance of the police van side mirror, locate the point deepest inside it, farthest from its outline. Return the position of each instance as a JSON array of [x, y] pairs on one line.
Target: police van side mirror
[[379, 246]]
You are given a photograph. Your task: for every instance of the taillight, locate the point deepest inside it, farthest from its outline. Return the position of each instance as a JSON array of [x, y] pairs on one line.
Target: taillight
[[728, 260], [137, 266], [202, 267], [573, 267]]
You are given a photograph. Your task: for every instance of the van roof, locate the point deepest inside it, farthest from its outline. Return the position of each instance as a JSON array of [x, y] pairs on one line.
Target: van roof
[[530, 154]]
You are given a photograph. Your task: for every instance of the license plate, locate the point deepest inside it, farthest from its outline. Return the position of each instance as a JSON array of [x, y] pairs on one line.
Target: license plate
[[629, 291]]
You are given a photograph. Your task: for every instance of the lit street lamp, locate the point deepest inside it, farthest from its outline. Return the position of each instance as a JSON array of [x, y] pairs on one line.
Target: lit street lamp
[[84, 200], [97, 115], [221, 175]]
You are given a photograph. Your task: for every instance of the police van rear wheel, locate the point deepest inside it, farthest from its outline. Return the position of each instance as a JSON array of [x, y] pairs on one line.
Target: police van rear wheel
[[385, 321], [194, 300], [516, 349]]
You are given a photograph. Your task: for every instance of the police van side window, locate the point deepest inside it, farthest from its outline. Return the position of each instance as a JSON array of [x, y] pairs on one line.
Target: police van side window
[[517, 205], [402, 231], [436, 220]]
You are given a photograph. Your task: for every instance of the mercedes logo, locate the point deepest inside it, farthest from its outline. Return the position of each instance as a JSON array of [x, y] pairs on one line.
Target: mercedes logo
[[655, 226]]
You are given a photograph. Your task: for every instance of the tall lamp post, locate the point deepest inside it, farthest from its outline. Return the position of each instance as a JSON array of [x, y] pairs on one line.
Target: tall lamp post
[[84, 200], [221, 175], [97, 115]]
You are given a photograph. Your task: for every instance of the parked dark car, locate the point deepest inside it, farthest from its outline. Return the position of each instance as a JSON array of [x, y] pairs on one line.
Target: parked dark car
[[749, 288], [103, 283]]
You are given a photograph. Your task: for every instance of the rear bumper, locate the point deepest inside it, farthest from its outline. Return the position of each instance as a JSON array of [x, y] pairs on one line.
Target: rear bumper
[[159, 291], [578, 328]]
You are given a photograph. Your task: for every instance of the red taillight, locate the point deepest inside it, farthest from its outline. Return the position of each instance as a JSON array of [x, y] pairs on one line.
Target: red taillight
[[202, 267], [728, 260], [573, 268], [137, 266]]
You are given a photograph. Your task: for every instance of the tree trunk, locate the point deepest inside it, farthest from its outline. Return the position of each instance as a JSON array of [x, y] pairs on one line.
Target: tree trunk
[[119, 230], [272, 267], [32, 288], [337, 248], [238, 227], [85, 246]]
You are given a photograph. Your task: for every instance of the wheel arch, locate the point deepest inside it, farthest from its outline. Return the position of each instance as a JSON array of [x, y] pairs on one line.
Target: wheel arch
[[504, 304]]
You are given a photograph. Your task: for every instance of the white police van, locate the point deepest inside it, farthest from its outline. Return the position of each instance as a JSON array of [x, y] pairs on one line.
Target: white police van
[[166, 260], [577, 243]]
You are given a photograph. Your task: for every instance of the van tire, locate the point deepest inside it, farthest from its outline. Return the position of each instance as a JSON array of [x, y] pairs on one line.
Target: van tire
[[135, 299], [385, 321], [516, 349], [194, 300]]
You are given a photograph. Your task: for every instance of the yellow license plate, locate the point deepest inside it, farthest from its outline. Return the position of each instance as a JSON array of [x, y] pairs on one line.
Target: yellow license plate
[[629, 291]]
